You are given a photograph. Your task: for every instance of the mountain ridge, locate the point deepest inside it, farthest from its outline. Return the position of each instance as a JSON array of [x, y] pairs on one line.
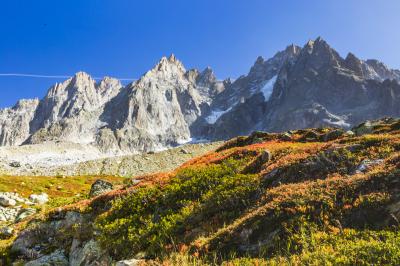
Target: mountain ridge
[[298, 87]]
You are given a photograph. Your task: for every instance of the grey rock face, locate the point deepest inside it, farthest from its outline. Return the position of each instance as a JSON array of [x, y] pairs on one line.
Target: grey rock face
[[15, 122], [70, 111], [299, 87], [321, 89], [314, 87]]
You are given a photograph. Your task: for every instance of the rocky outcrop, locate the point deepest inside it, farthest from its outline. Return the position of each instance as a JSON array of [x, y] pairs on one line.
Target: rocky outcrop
[[76, 247], [298, 87]]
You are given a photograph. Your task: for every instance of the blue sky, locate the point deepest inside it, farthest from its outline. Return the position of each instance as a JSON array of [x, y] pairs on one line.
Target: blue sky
[[124, 38]]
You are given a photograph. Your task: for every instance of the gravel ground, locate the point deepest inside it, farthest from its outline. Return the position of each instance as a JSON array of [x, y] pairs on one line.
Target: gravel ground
[[68, 160]]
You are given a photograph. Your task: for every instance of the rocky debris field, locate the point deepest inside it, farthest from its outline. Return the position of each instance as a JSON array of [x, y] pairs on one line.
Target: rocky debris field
[[14, 208], [73, 159]]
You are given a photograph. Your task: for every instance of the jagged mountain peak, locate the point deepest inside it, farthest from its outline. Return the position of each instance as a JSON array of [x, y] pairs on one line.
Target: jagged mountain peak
[[317, 54], [166, 69], [165, 63], [292, 49], [22, 103], [172, 58], [374, 62], [260, 60], [309, 46], [81, 75], [319, 39], [266, 69], [80, 81], [354, 64], [319, 43], [352, 57], [382, 70], [206, 77]]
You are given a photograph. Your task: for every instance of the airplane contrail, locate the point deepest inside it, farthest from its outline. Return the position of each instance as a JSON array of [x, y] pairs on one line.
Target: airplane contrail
[[52, 76]]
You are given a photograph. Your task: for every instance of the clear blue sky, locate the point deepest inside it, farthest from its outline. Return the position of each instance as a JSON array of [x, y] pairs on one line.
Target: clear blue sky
[[124, 38]]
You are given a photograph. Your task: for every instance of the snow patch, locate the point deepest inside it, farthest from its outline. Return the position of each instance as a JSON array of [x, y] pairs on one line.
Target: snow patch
[[339, 122], [268, 88], [199, 140], [215, 115]]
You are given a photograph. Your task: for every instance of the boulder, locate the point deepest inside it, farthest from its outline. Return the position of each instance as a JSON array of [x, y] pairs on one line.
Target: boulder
[[6, 201], [6, 231], [100, 187], [15, 164], [23, 213], [184, 151], [310, 136], [8, 214], [265, 156], [39, 199], [287, 136], [367, 165], [363, 128], [333, 134], [3, 218], [131, 262], [57, 258], [88, 253]]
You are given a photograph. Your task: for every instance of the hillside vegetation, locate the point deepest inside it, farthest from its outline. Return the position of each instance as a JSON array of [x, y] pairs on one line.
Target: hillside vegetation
[[305, 197]]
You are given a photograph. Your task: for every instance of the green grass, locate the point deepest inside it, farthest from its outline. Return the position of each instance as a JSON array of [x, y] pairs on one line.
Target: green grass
[[61, 189]]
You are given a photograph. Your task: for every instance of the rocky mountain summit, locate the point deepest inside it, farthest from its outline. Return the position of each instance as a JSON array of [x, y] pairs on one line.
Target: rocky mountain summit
[[299, 87]]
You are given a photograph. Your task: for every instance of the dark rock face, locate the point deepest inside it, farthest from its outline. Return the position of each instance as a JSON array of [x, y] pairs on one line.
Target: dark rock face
[[314, 87], [299, 87]]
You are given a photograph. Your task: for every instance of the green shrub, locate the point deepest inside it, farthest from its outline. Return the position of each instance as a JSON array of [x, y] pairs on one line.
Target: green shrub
[[153, 219]]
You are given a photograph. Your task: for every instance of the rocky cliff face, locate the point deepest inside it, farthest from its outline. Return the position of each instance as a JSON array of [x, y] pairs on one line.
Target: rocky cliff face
[[299, 87], [157, 110], [15, 122], [70, 111], [322, 88]]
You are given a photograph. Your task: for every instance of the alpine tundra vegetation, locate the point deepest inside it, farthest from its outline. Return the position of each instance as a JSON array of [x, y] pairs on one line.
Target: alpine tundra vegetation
[[303, 197]]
